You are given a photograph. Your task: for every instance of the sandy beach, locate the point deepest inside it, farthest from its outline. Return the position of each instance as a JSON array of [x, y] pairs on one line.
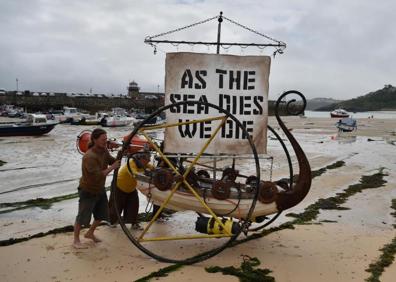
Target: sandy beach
[[336, 244]]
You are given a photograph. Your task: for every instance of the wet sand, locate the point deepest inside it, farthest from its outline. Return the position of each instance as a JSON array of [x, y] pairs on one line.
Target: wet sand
[[340, 248]]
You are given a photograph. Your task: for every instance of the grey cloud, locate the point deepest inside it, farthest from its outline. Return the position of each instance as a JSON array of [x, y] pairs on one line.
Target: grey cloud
[[335, 49]]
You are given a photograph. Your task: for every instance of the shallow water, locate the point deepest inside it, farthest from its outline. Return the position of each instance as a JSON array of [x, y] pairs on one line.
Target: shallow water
[[373, 114], [49, 166]]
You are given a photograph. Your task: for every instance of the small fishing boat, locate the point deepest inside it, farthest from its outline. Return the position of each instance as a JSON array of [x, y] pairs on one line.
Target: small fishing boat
[[88, 120], [116, 121], [339, 113], [34, 125], [118, 117], [69, 114], [346, 125], [152, 121]]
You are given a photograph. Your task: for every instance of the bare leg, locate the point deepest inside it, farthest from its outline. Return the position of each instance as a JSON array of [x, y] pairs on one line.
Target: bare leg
[[76, 242], [90, 232]]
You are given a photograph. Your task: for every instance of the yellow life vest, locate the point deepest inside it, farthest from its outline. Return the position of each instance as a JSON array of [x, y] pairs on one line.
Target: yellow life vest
[[126, 181]]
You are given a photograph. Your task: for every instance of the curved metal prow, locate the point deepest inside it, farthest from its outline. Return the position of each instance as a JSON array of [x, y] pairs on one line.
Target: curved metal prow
[[298, 190]]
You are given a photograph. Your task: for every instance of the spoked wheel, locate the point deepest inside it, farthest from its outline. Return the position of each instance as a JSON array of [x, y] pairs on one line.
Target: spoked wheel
[[189, 185]]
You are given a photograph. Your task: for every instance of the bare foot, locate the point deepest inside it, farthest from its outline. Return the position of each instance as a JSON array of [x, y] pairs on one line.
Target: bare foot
[[79, 245], [93, 238]]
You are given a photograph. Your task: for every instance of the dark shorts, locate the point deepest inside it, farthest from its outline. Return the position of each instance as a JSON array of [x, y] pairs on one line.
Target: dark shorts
[[91, 204]]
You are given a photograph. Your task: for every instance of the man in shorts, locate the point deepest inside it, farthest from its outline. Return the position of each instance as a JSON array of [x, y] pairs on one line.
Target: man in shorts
[[97, 163]]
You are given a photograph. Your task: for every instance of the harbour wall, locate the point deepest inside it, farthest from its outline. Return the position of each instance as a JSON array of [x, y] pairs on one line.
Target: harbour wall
[[88, 103], [91, 104]]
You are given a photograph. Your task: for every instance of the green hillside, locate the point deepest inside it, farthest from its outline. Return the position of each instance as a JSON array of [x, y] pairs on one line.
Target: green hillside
[[380, 100]]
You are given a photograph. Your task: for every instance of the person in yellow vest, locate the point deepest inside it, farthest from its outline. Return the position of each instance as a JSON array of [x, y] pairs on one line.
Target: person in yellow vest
[[126, 195]]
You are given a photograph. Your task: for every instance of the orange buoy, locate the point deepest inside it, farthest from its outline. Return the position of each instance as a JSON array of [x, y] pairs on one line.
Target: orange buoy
[[137, 144], [83, 140]]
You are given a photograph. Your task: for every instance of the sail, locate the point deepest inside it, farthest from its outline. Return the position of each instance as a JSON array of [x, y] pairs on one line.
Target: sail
[[238, 84]]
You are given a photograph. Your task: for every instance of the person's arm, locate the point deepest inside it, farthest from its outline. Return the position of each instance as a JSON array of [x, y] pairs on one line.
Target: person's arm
[[110, 158], [114, 163], [110, 168]]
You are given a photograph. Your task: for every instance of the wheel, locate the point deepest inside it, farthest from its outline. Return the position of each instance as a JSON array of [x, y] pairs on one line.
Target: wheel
[[181, 239]]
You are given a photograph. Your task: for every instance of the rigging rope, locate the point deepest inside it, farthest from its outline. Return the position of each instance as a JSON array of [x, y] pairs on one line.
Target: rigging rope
[[279, 47]]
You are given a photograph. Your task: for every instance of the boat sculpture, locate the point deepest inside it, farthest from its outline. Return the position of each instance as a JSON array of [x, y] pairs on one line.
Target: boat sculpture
[[34, 125], [212, 167], [226, 201]]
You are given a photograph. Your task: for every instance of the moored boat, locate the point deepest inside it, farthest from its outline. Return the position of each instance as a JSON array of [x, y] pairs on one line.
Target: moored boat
[[69, 114], [86, 120], [339, 113], [34, 125], [346, 125], [116, 121]]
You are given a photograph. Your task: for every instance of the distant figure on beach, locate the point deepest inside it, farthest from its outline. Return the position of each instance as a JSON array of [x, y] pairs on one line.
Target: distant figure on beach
[[126, 195], [97, 163]]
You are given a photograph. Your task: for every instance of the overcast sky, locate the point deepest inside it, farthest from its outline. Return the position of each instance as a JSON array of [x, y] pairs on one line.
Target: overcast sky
[[335, 48]]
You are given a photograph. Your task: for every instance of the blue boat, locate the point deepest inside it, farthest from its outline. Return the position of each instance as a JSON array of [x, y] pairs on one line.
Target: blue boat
[[34, 125], [346, 125]]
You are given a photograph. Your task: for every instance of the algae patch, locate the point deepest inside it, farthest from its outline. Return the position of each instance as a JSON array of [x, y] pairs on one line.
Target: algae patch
[[248, 271], [163, 272], [11, 241], [387, 257], [44, 203], [319, 172], [38, 202], [334, 203]]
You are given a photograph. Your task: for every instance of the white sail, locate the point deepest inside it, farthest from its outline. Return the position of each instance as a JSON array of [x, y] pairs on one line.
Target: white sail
[[238, 84]]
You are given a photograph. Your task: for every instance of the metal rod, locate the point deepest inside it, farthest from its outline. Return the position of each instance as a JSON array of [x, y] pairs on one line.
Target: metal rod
[[203, 236], [280, 45], [220, 19], [261, 157]]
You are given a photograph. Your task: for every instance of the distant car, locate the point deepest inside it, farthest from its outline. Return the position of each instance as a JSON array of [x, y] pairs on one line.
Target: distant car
[[2, 93], [35, 94], [51, 94], [19, 93], [43, 94]]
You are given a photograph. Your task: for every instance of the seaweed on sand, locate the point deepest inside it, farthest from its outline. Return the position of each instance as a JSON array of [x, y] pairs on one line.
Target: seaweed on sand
[[44, 203], [246, 272], [319, 172], [334, 203], [387, 257], [163, 272], [11, 241], [2, 163]]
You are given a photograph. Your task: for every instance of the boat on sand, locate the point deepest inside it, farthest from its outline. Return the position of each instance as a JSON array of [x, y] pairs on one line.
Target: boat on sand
[[34, 125], [339, 113]]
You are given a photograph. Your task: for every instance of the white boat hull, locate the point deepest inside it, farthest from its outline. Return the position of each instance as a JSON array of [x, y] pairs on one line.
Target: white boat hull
[[117, 121], [186, 201]]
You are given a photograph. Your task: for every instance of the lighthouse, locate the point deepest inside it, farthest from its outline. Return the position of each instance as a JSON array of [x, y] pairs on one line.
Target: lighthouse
[[133, 90]]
